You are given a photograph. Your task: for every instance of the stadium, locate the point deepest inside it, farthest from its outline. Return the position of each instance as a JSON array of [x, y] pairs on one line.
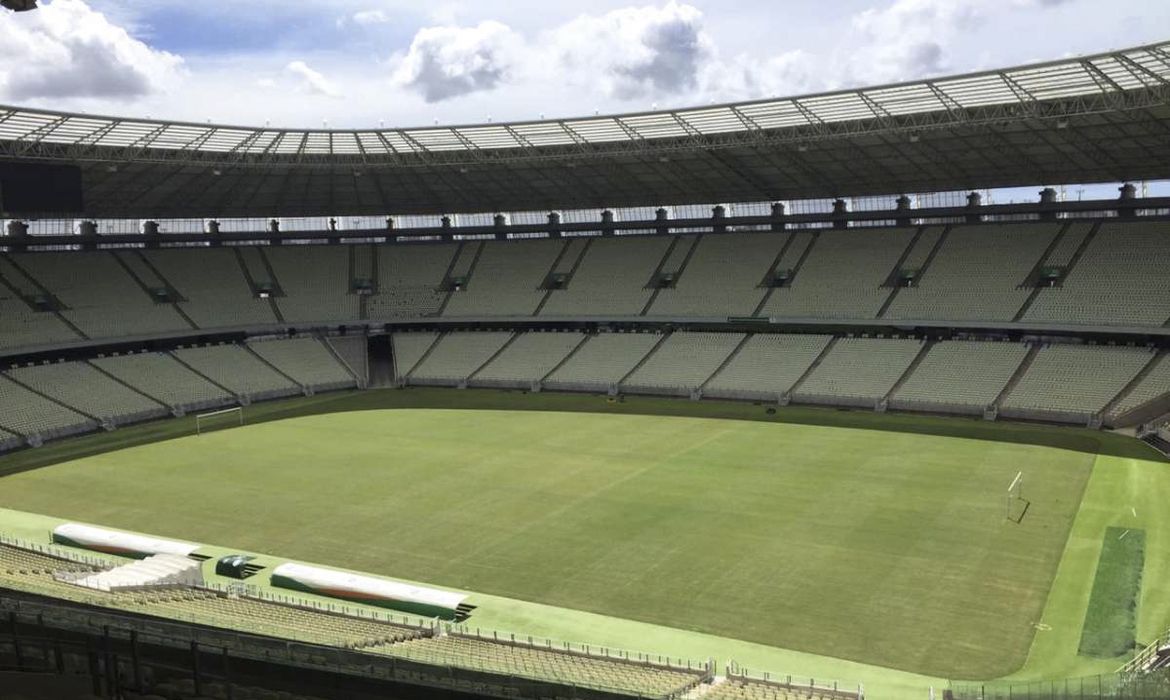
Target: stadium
[[762, 400]]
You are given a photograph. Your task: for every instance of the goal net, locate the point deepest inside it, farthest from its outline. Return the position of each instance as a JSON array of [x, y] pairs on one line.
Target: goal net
[[1016, 504], [218, 420]]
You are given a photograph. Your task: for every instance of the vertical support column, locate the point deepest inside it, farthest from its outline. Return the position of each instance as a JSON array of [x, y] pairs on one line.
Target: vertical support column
[[840, 211], [196, 675], [718, 217], [902, 211], [1048, 204], [661, 218], [227, 674], [974, 201], [778, 216], [1125, 202], [607, 223], [136, 660]]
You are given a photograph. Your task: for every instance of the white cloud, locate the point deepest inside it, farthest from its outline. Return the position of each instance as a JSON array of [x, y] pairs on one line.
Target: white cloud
[[368, 17], [907, 39], [311, 81], [447, 62], [636, 52], [68, 50]]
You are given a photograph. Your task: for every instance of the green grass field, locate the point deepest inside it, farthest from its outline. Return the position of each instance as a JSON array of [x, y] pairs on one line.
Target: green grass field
[[1111, 621], [881, 547]]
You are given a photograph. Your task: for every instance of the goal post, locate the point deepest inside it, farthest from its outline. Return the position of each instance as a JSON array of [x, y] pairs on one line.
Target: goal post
[[218, 420], [1015, 496]]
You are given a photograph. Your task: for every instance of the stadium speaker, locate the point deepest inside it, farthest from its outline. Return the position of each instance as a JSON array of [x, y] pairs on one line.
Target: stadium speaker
[[19, 5]]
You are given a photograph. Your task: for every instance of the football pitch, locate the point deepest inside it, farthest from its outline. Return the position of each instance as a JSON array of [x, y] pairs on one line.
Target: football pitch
[[883, 547]]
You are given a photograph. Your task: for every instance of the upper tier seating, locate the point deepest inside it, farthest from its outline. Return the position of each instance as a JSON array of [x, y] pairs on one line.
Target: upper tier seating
[[213, 287], [960, 376], [80, 385], [682, 363], [457, 356], [977, 274], [409, 348], [612, 280], [26, 413], [306, 360], [602, 361], [20, 324], [1121, 279], [238, 371], [527, 359], [723, 277], [858, 371], [163, 378], [315, 282], [842, 276], [101, 298], [1073, 381], [506, 279], [767, 366], [409, 281]]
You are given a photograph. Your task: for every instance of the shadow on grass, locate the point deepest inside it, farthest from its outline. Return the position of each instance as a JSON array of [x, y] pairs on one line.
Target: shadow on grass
[[1070, 438]]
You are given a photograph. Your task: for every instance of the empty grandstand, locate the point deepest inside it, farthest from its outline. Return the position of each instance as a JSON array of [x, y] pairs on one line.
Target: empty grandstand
[[750, 377]]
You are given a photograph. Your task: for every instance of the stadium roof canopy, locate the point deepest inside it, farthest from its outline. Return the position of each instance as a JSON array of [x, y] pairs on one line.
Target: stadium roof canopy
[[1101, 118]]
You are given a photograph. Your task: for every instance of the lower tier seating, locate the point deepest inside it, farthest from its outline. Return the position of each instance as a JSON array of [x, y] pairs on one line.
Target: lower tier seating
[[1084, 384], [534, 662], [858, 371], [602, 361], [457, 356], [682, 363], [237, 370], [306, 360], [28, 414], [767, 366], [409, 348], [527, 359], [80, 385], [960, 377], [163, 378], [1073, 382]]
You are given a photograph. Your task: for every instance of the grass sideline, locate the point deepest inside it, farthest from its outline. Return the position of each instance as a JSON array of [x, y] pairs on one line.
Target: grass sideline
[[1065, 437], [714, 526], [1111, 621]]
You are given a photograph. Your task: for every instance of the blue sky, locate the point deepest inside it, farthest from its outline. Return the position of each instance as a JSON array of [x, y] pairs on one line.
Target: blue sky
[[399, 62]]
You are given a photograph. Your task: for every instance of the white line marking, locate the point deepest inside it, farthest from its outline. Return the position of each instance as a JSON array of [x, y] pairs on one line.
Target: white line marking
[[1123, 535], [1133, 510]]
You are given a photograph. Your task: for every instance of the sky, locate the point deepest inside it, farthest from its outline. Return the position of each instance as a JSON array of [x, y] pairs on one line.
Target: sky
[[365, 63]]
